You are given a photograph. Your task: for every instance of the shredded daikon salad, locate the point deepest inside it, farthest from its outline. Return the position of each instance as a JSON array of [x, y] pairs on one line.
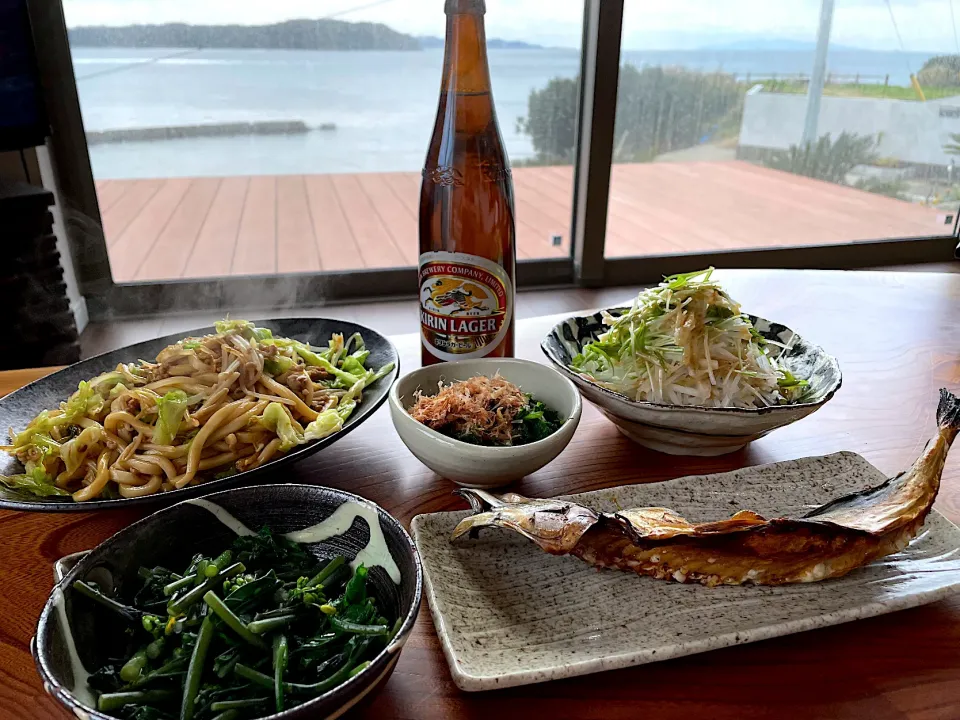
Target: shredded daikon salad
[[686, 342]]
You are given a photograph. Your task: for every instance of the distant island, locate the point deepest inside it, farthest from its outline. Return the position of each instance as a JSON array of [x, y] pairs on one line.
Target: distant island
[[431, 42], [289, 35], [777, 44]]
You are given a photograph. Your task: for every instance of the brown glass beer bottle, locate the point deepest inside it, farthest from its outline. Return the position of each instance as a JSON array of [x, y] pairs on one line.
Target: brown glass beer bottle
[[467, 233]]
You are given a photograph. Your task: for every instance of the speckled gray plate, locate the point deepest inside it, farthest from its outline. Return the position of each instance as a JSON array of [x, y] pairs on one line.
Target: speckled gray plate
[[20, 407], [509, 614]]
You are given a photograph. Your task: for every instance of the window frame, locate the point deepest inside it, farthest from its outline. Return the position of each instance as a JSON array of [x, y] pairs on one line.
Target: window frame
[[586, 266]]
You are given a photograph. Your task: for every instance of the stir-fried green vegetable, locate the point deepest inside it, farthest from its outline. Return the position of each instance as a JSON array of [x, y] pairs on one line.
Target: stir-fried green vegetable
[[686, 342], [260, 628]]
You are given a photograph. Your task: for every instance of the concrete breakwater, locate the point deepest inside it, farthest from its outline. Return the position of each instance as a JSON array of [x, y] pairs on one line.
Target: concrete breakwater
[[265, 127]]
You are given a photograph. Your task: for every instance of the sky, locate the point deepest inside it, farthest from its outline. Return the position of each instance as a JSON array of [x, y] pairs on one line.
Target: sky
[[925, 25]]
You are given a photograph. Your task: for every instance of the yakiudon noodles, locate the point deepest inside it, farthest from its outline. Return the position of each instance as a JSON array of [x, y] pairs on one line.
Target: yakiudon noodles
[[207, 407]]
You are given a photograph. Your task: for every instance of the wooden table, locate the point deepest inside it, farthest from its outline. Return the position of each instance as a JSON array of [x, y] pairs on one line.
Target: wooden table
[[897, 337]]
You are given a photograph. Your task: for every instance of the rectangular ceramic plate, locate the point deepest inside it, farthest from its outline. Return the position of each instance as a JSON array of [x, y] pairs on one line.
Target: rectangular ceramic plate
[[509, 614]]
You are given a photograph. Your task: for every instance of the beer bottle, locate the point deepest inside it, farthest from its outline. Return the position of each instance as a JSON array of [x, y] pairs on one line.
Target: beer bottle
[[467, 233]]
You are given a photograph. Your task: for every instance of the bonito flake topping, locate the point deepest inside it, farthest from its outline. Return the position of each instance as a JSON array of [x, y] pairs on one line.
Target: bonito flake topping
[[481, 409]]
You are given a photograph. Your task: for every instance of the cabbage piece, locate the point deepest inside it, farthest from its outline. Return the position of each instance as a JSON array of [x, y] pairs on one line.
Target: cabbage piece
[[335, 351], [374, 375], [35, 482], [345, 409], [327, 423], [278, 365], [171, 407], [247, 329], [355, 363], [228, 325], [132, 374], [244, 327], [348, 401], [85, 401], [355, 339], [40, 426], [275, 418], [307, 353], [103, 384], [118, 389], [344, 378], [74, 452], [46, 446]]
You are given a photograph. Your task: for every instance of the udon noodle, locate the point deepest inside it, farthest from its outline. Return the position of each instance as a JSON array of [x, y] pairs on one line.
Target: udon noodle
[[207, 407]]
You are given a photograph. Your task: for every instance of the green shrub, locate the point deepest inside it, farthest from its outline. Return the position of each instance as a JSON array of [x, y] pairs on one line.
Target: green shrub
[[827, 159], [658, 110], [943, 70], [551, 120]]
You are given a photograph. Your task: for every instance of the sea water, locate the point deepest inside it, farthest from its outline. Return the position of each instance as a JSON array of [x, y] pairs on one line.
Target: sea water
[[382, 104]]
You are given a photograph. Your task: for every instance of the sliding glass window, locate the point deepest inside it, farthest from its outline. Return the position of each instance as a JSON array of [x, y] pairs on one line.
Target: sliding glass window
[[719, 144], [270, 153], [233, 139]]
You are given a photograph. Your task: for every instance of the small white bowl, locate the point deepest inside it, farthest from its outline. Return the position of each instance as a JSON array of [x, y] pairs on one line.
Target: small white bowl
[[480, 466]]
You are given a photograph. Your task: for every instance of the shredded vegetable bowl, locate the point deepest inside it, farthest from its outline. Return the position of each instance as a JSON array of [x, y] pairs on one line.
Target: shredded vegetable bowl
[[207, 407], [686, 342]]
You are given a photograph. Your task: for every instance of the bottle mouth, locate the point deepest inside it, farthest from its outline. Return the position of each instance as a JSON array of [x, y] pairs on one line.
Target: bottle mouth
[[465, 7]]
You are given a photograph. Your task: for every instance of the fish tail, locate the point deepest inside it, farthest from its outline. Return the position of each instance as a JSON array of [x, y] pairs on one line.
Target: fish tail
[[948, 413]]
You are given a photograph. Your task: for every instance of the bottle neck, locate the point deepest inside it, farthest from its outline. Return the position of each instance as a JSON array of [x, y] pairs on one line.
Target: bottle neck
[[465, 68]]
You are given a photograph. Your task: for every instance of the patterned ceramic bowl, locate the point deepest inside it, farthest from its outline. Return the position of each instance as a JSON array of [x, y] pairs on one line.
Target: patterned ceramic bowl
[[693, 430]]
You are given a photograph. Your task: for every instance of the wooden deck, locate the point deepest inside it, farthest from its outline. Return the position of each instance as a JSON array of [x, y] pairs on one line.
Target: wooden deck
[[213, 227]]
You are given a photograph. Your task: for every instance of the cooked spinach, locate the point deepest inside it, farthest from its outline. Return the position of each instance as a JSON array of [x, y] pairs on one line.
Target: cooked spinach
[[261, 627]]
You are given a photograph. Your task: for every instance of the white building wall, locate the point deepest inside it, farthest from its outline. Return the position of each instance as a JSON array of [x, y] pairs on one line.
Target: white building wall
[[913, 132]]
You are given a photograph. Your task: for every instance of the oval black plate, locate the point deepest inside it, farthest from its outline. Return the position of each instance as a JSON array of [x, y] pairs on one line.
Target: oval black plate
[[20, 407]]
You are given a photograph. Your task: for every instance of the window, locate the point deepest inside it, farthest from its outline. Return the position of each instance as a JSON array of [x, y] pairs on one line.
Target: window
[[713, 151], [288, 144], [276, 158]]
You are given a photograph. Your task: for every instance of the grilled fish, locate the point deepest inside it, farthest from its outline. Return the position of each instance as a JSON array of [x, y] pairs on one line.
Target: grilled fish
[[827, 542]]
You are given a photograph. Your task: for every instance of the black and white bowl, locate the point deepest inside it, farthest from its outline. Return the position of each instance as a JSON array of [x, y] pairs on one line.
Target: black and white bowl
[[694, 430], [171, 536]]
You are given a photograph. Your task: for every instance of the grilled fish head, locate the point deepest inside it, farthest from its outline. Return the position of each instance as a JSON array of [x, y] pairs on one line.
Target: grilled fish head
[[554, 525]]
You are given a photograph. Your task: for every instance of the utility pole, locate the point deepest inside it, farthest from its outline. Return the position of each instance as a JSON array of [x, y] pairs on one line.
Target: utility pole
[[817, 75]]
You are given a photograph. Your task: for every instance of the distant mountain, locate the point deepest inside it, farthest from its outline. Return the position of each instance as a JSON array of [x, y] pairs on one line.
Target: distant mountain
[[289, 35], [774, 44], [431, 41]]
